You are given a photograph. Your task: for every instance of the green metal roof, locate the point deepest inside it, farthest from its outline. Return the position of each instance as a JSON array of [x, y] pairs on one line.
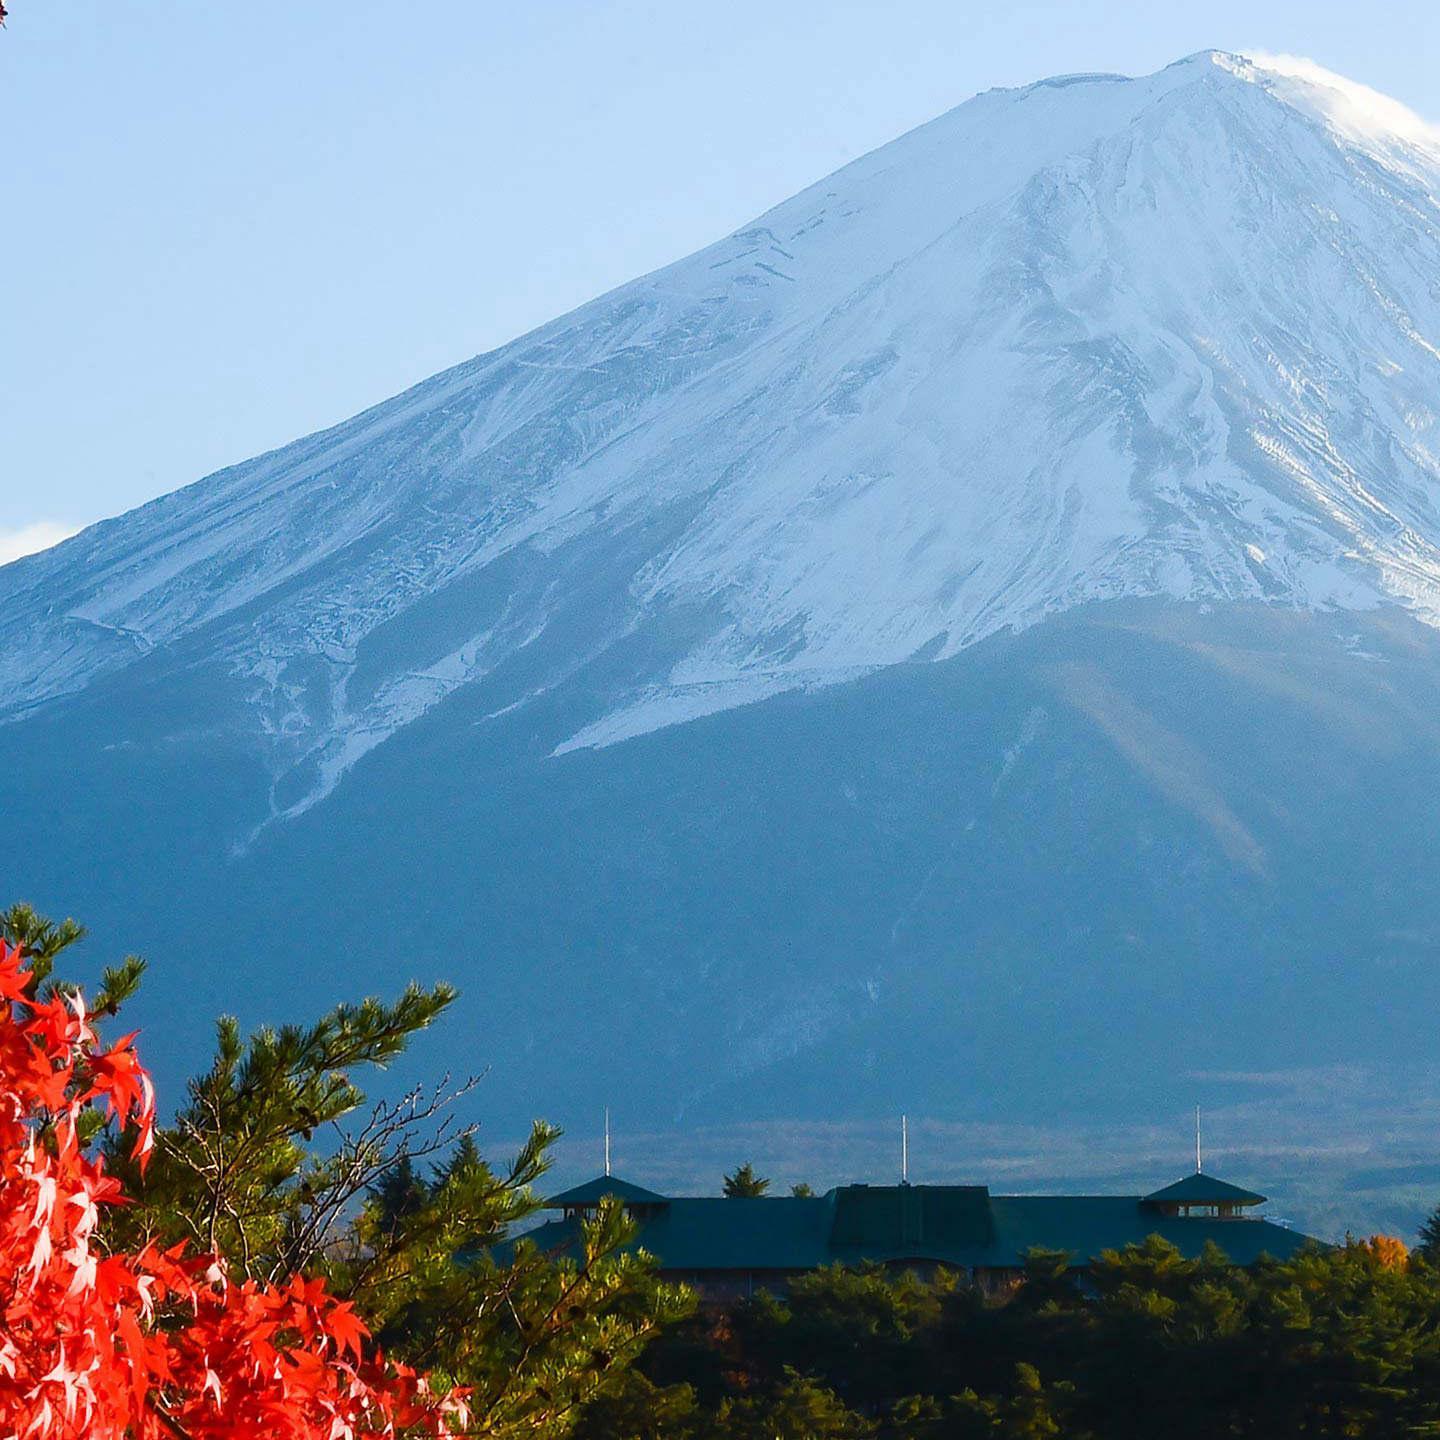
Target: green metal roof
[[1202, 1189], [962, 1225], [783, 1233], [592, 1192], [705, 1233], [1085, 1225], [920, 1218]]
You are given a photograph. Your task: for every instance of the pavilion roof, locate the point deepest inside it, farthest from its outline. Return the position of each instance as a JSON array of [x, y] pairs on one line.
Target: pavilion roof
[[1202, 1189], [593, 1191]]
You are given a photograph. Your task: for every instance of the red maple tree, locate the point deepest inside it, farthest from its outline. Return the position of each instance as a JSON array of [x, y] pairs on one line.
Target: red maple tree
[[97, 1345]]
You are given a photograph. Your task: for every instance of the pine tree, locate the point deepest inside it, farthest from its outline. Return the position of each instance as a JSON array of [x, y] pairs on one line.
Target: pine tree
[[799, 1409], [239, 1171], [464, 1160], [431, 1268], [744, 1184], [398, 1194], [1429, 1246]]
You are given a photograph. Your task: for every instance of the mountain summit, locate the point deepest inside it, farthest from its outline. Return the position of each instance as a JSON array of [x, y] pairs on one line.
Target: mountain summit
[[1043, 511]]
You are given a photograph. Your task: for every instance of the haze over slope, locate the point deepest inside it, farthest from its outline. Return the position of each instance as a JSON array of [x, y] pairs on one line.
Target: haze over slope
[[1167, 344]]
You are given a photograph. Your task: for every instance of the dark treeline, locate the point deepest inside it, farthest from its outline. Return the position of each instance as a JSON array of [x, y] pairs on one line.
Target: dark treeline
[[1342, 1342]]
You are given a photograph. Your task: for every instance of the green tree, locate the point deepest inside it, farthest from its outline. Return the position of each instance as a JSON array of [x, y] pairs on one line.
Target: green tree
[[278, 1163], [43, 940], [1048, 1280], [533, 1336], [240, 1170], [797, 1409], [854, 1329], [1429, 1246], [1031, 1411], [463, 1159], [744, 1184], [398, 1193], [639, 1409]]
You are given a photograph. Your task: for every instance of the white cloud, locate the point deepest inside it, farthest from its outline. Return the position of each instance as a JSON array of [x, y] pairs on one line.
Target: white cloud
[[1354, 109], [26, 539]]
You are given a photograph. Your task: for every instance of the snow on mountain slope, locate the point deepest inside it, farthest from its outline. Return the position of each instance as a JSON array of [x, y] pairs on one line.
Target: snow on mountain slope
[[1097, 337]]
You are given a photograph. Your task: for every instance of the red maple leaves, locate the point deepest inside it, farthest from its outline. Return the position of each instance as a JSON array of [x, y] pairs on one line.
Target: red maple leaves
[[99, 1346]]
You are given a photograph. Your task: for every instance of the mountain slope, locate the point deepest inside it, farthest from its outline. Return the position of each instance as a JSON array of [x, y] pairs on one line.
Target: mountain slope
[[1097, 337], [1036, 525]]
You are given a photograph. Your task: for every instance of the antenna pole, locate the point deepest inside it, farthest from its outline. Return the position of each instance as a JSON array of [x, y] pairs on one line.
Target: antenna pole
[[1197, 1140], [607, 1142], [904, 1150]]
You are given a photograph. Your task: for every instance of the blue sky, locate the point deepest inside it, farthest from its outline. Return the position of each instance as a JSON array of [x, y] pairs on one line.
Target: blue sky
[[228, 225]]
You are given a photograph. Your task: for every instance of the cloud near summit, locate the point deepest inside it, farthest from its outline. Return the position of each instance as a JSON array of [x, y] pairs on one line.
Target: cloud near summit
[[19, 540], [1351, 106]]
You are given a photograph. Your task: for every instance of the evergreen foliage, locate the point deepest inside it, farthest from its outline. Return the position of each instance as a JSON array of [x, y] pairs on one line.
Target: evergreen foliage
[[1429, 1246], [744, 1184], [1336, 1342], [278, 1164]]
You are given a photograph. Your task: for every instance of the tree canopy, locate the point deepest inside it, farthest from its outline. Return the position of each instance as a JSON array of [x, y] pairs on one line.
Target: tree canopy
[[1341, 1341], [744, 1184], [281, 1213]]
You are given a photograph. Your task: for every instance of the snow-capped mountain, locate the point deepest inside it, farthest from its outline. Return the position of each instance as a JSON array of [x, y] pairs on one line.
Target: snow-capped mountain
[[1036, 525], [1098, 337]]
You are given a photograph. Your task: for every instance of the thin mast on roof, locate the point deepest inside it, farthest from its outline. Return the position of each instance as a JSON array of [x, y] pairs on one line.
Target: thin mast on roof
[[607, 1142], [1197, 1140], [904, 1150]]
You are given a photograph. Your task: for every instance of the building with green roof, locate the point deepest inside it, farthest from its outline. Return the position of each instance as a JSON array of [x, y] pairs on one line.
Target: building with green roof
[[730, 1247]]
